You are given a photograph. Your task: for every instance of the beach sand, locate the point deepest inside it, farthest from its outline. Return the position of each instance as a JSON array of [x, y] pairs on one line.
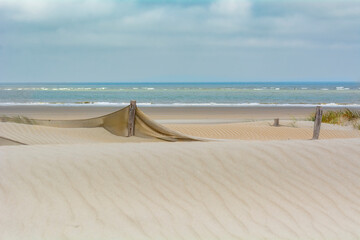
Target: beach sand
[[214, 190], [88, 184], [168, 114], [243, 123]]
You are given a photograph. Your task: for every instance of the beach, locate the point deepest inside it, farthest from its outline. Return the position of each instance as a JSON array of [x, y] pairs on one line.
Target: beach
[[172, 114], [179, 120], [246, 180], [242, 123], [234, 190]]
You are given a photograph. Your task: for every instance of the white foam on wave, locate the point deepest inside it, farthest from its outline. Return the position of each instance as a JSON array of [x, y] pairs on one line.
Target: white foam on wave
[[211, 104], [342, 88], [56, 89], [161, 89]]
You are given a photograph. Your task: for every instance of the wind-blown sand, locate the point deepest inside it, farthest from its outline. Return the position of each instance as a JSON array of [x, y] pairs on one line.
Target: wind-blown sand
[[263, 130], [222, 114], [297, 189], [88, 184], [34, 134]]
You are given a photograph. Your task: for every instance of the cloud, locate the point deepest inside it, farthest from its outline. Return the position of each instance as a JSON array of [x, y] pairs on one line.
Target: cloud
[[110, 40], [231, 7], [219, 23], [42, 10]]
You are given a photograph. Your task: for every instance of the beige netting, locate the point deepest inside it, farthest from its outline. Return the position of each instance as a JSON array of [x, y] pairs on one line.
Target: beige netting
[[115, 123]]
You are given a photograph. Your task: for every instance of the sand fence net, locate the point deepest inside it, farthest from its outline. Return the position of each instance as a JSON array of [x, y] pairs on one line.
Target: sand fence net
[[112, 127]]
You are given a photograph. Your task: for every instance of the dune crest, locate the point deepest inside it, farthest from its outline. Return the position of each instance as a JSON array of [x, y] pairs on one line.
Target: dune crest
[[199, 190]]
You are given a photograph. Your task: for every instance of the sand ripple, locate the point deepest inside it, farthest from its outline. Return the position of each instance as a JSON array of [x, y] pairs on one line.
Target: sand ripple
[[264, 131], [228, 190]]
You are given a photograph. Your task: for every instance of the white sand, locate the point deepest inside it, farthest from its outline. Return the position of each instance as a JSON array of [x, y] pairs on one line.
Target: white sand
[[34, 134], [263, 130], [259, 130], [297, 189]]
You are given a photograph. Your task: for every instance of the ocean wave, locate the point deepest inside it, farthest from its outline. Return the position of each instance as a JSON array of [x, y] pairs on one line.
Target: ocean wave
[[55, 89], [185, 89], [211, 104], [342, 88]]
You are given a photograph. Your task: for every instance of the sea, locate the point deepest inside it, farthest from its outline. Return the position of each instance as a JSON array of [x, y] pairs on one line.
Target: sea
[[183, 94]]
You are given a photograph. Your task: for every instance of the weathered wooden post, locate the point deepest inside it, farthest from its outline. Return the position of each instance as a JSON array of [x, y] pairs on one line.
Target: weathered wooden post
[[317, 122], [276, 122], [131, 121]]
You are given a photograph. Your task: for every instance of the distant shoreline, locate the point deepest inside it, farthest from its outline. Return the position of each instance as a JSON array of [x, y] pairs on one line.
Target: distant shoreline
[[180, 82], [110, 104], [245, 94]]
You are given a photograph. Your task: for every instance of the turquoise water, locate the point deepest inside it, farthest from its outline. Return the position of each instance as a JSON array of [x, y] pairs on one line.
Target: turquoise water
[[182, 94]]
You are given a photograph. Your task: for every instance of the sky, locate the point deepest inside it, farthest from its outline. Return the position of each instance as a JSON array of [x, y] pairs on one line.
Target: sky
[[179, 41]]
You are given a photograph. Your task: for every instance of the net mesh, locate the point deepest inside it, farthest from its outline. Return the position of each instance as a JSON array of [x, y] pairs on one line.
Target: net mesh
[[115, 123]]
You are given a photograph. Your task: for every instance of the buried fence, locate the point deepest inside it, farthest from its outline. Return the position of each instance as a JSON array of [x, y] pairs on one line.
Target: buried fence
[[316, 132], [317, 122]]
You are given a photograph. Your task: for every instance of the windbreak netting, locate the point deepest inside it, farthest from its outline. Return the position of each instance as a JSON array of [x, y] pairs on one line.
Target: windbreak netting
[[39, 131]]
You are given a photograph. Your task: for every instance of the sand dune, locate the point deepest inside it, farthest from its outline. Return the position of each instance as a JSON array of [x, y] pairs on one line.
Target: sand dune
[[263, 130], [214, 190], [33, 134], [7, 142]]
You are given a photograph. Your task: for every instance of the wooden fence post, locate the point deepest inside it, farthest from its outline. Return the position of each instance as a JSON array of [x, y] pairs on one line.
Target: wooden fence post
[[317, 122], [276, 122], [131, 121]]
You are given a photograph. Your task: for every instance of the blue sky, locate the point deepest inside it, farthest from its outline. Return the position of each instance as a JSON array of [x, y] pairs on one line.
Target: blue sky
[[138, 41]]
